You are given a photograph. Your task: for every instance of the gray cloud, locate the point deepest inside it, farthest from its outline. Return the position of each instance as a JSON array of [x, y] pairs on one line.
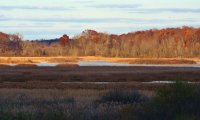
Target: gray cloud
[[71, 20], [180, 10], [95, 20], [85, 1], [138, 8], [162, 10], [35, 8], [25, 26], [120, 6]]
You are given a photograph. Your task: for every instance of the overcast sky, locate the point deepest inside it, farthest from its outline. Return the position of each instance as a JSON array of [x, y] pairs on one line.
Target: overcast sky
[[37, 19]]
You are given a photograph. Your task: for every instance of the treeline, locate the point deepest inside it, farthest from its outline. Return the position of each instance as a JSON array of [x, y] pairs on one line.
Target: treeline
[[169, 42]]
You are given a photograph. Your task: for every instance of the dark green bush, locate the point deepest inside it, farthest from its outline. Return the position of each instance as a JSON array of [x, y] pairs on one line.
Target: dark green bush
[[179, 101]]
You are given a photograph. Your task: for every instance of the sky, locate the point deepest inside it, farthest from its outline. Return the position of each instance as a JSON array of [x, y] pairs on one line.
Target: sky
[[46, 19]]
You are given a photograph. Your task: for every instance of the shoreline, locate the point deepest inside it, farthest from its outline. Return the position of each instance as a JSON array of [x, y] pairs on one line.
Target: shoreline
[[61, 59]]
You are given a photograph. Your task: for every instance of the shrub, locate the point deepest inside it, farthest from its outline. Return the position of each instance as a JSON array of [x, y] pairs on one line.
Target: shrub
[[123, 97], [174, 102]]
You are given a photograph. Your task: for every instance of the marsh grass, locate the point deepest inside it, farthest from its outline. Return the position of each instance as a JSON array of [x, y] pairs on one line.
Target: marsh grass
[[162, 61], [179, 101], [22, 104]]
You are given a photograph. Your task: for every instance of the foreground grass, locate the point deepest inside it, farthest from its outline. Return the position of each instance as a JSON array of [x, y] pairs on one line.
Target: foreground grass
[[178, 101], [18, 104]]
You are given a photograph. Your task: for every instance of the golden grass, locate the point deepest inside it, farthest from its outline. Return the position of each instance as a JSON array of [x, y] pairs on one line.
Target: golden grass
[[152, 61], [145, 60], [31, 60]]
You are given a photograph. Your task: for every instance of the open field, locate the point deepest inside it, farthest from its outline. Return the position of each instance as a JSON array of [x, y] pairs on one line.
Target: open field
[[33, 60]]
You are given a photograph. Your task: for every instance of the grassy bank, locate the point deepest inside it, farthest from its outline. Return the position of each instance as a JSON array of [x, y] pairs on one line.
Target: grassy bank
[[32, 60]]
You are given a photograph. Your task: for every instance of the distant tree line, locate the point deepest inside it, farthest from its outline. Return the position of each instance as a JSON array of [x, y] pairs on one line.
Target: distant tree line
[[169, 42]]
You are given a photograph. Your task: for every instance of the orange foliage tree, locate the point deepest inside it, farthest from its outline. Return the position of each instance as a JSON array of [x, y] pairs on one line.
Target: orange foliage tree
[[64, 40]]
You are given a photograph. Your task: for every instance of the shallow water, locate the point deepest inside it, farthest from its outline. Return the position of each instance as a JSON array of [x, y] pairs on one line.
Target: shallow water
[[12, 64], [45, 64], [100, 63], [106, 63], [99, 83], [167, 82]]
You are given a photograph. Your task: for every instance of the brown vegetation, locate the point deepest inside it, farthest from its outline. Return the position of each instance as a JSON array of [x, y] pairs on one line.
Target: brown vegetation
[[74, 60], [4, 65], [40, 104], [10, 44], [32, 60], [159, 61], [25, 65], [92, 77], [67, 65]]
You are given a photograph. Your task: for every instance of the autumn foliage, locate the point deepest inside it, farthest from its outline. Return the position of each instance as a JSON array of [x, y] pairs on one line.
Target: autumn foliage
[[64, 40], [10, 44], [169, 42]]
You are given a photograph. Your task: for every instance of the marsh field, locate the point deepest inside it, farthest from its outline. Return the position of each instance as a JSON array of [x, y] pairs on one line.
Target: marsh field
[[69, 91]]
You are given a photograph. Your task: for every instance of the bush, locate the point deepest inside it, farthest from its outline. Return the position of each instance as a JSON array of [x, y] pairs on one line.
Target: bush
[[123, 97], [174, 102]]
